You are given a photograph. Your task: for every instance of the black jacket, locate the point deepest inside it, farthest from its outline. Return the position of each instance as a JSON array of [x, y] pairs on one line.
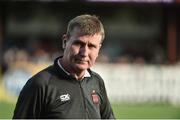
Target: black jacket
[[53, 94]]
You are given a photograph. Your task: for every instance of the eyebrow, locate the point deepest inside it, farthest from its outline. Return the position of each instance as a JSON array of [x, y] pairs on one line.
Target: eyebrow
[[77, 41]]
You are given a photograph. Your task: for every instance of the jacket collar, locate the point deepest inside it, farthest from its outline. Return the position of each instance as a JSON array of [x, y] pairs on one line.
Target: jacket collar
[[63, 73], [87, 74]]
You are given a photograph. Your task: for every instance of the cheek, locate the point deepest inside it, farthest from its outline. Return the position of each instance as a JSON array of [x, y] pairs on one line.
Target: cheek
[[68, 52], [94, 56], [74, 50], [70, 49]]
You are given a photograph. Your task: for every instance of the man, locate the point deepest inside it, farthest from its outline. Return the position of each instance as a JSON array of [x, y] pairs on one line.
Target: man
[[69, 89]]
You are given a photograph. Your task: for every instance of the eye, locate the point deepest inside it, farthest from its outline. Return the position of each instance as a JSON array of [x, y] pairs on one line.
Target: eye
[[78, 43], [92, 46]]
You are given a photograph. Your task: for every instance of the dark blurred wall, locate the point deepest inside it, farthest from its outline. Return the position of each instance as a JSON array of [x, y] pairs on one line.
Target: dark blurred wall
[[133, 30]]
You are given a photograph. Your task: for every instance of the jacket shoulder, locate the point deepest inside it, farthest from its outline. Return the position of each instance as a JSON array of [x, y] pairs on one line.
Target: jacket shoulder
[[41, 78], [97, 76]]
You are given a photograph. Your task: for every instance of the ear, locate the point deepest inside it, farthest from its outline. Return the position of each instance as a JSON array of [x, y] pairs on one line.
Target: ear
[[64, 40], [100, 46]]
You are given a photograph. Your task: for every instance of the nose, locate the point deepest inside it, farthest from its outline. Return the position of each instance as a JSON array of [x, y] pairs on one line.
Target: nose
[[84, 51]]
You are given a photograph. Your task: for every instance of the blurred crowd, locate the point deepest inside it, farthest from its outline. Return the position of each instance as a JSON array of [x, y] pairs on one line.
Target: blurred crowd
[[16, 58], [19, 65]]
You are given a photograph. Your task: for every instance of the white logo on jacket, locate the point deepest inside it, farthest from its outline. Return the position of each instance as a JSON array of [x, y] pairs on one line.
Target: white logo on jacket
[[65, 97]]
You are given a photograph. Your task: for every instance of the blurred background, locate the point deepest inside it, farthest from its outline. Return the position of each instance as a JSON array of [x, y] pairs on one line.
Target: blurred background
[[139, 60]]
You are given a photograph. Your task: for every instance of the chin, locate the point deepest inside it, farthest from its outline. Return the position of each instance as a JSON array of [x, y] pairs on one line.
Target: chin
[[82, 67]]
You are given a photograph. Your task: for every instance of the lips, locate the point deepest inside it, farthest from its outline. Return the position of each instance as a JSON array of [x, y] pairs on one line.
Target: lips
[[81, 61]]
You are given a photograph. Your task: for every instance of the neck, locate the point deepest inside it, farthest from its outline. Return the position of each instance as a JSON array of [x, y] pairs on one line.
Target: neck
[[76, 74]]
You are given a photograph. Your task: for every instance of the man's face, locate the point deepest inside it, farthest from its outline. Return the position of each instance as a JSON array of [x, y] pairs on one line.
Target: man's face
[[81, 51]]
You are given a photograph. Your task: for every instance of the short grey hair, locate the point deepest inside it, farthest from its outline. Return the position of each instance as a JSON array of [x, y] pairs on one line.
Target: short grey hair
[[88, 24]]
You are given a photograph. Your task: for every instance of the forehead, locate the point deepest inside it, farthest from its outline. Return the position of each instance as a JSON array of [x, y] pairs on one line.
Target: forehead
[[77, 35]]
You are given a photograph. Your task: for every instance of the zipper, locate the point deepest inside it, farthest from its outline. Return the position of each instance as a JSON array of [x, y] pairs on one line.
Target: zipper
[[83, 99]]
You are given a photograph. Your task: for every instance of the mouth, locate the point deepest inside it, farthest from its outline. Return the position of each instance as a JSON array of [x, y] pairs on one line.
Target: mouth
[[81, 61]]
